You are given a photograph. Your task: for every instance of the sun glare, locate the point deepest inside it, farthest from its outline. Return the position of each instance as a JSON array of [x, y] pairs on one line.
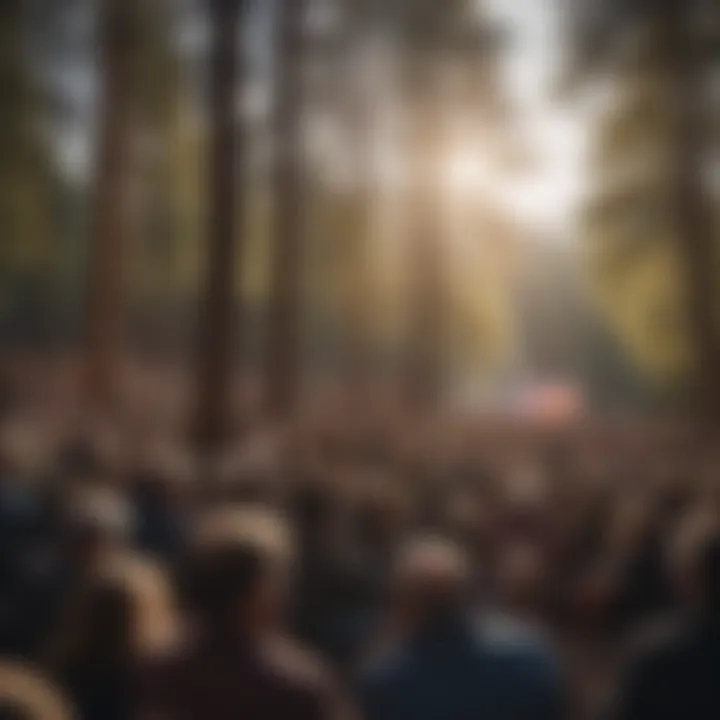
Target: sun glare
[[465, 172]]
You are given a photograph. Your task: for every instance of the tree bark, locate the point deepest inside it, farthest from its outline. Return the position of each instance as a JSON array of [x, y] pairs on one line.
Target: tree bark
[[424, 372], [109, 220], [360, 16], [697, 244], [217, 338], [284, 352]]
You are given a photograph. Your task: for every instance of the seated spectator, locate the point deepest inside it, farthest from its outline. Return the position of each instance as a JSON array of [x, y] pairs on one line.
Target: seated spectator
[[233, 663], [442, 664]]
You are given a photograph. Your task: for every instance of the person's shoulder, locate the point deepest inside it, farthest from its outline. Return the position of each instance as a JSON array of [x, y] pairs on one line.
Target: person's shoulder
[[303, 679], [657, 667], [507, 636], [663, 648], [385, 663], [164, 669], [293, 665], [658, 638], [516, 648]]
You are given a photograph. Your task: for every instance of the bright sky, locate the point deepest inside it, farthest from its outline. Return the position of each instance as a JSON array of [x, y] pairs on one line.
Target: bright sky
[[546, 196]]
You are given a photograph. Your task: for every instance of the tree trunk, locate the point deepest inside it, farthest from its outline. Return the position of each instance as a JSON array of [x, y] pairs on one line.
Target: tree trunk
[[283, 352], [425, 362], [109, 212], [360, 16], [697, 244], [359, 351], [217, 339]]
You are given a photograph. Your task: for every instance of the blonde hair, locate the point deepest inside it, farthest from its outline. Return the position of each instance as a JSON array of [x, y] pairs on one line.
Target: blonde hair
[[264, 529], [155, 626], [33, 694], [432, 560], [152, 615]]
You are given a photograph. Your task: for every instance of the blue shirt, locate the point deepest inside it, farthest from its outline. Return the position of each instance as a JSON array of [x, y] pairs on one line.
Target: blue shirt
[[463, 671]]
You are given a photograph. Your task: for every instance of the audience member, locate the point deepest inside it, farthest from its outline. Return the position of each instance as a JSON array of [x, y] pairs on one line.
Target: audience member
[[233, 660], [443, 662], [679, 679]]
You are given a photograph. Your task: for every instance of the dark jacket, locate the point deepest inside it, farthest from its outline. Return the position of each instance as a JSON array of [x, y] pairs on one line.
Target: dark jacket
[[458, 671], [99, 693], [226, 681], [678, 679]]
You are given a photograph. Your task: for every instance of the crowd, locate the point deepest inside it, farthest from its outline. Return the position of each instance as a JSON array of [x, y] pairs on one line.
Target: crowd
[[378, 570]]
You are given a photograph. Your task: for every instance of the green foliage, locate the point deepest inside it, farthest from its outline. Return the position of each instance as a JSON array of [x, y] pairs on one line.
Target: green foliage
[[27, 248], [631, 233]]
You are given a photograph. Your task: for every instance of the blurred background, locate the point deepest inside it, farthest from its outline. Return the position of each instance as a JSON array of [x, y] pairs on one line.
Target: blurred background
[[501, 204], [355, 321]]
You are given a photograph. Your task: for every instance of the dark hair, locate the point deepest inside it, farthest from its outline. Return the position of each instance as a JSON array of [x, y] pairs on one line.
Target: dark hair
[[312, 505], [214, 582], [80, 457], [99, 629], [150, 487]]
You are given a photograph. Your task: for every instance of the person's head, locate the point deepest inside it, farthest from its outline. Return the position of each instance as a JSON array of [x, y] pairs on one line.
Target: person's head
[[381, 513], [312, 508], [99, 629], [78, 457], [151, 489], [227, 588], [521, 577], [110, 614], [256, 525], [432, 576], [98, 524], [86, 545]]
